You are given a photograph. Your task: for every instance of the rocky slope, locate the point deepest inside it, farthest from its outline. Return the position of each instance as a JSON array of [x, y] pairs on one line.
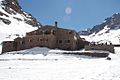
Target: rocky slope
[[112, 23], [14, 21], [12, 7], [108, 31]]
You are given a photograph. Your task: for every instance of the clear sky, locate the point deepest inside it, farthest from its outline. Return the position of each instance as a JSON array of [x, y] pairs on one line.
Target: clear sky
[[73, 14]]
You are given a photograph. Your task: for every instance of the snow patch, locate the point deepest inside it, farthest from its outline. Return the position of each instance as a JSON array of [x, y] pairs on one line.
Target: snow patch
[[112, 36]]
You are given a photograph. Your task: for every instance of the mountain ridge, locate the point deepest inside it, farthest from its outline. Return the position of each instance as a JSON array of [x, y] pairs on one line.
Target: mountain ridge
[[112, 22], [108, 31]]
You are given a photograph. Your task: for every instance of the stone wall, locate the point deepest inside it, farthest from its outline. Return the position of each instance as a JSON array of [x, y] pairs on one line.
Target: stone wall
[[66, 39], [104, 47], [40, 41], [19, 43], [7, 46]]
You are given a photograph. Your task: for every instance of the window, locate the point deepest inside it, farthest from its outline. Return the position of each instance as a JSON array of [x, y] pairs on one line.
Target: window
[[60, 41], [5, 42], [40, 32], [10, 42], [47, 40], [30, 40], [53, 32], [41, 39], [67, 41], [70, 32], [22, 42], [110, 43], [47, 32]]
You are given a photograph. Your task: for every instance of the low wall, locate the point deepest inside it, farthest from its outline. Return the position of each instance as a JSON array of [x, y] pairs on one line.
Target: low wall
[[92, 54], [109, 48]]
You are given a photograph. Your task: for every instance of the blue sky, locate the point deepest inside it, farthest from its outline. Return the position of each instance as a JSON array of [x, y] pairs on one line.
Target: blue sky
[[73, 14]]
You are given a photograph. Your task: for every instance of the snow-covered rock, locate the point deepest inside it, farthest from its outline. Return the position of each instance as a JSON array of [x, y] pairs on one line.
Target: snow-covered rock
[[14, 21], [103, 36]]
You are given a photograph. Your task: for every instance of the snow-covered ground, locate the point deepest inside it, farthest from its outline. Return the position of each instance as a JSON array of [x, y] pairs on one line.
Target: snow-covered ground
[[44, 64]]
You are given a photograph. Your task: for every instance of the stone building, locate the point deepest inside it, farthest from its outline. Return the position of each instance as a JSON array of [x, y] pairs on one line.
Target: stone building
[[104, 47], [47, 36], [8, 46]]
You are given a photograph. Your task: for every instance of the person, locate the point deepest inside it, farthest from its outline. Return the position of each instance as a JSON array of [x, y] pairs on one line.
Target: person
[[108, 58]]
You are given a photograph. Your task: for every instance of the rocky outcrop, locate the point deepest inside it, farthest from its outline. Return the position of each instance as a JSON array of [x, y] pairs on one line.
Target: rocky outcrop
[[12, 7], [6, 21]]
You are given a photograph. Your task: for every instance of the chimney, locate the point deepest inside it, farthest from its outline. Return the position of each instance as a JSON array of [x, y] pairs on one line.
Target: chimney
[[56, 23]]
